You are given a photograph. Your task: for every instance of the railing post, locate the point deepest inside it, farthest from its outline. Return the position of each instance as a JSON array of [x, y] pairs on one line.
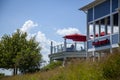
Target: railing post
[[106, 25], [57, 48], [61, 48], [75, 46], [54, 49], [65, 44], [51, 48], [99, 28]]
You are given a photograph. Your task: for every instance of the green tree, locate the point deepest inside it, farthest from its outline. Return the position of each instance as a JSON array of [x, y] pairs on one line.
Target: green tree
[[18, 52]]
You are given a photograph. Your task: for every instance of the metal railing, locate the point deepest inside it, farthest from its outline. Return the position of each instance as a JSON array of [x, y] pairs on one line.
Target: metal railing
[[70, 47]]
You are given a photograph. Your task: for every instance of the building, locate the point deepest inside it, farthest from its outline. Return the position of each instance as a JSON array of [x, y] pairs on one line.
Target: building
[[103, 31], [103, 18]]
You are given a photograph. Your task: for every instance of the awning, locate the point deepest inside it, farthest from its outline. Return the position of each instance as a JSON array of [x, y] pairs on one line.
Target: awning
[[76, 37]]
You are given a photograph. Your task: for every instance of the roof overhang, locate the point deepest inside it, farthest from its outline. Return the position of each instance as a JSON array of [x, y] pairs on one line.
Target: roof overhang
[[92, 4]]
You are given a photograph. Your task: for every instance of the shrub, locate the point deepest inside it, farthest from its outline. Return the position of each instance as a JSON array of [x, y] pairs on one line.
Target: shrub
[[111, 67], [2, 75], [52, 65]]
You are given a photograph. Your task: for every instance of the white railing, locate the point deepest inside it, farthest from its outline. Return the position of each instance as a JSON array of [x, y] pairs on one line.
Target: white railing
[[70, 47], [114, 39]]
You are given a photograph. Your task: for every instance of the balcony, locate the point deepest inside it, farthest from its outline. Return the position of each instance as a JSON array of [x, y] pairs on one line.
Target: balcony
[[113, 42], [68, 50]]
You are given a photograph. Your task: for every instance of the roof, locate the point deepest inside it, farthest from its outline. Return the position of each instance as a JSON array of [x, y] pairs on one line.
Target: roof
[[90, 5]]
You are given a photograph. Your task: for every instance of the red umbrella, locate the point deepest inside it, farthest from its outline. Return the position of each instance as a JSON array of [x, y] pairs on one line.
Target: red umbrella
[[76, 37]]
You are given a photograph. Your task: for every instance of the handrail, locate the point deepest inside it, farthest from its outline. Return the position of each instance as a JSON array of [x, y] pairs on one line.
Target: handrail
[[70, 47]]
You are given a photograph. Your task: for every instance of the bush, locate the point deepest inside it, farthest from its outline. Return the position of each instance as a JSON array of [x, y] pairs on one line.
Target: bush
[[2, 75], [111, 67], [52, 65]]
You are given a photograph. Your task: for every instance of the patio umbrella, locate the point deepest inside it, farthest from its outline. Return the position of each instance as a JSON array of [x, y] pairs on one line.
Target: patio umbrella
[[76, 37]]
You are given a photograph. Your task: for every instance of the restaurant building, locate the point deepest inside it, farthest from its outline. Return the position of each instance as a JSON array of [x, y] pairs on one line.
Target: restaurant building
[[102, 32], [103, 24]]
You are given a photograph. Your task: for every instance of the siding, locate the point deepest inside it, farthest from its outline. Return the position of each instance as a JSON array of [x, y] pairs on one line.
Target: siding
[[114, 5], [102, 9], [90, 15]]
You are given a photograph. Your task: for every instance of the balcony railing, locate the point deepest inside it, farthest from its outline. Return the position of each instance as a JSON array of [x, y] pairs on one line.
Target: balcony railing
[[112, 38], [70, 47]]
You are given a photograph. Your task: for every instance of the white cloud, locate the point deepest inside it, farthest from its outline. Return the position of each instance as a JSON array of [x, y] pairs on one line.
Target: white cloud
[[45, 43], [28, 25], [66, 31], [40, 37]]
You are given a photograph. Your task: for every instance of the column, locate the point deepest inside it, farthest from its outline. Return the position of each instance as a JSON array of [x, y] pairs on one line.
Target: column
[[87, 38], [106, 23], [94, 35], [93, 55], [94, 32], [99, 28], [99, 56], [119, 23], [119, 18], [111, 24], [64, 61]]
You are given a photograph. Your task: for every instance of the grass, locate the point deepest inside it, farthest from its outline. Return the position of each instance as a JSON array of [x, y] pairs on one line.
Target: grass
[[107, 69], [77, 71]]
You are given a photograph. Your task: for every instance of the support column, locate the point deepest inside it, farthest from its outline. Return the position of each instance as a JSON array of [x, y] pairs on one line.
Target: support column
[[111, 24], [94, 35], [99, 56], [87, 38], [94, 30], [93, 55], [119, 18], [119, 23], [99, 28], [64, 61], [106, 23]]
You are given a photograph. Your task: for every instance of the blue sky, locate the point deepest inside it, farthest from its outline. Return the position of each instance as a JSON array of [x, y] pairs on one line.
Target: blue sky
[[47, 19]]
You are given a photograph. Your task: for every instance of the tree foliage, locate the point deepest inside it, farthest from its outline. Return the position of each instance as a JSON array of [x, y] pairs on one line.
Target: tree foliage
[[17, 51]]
